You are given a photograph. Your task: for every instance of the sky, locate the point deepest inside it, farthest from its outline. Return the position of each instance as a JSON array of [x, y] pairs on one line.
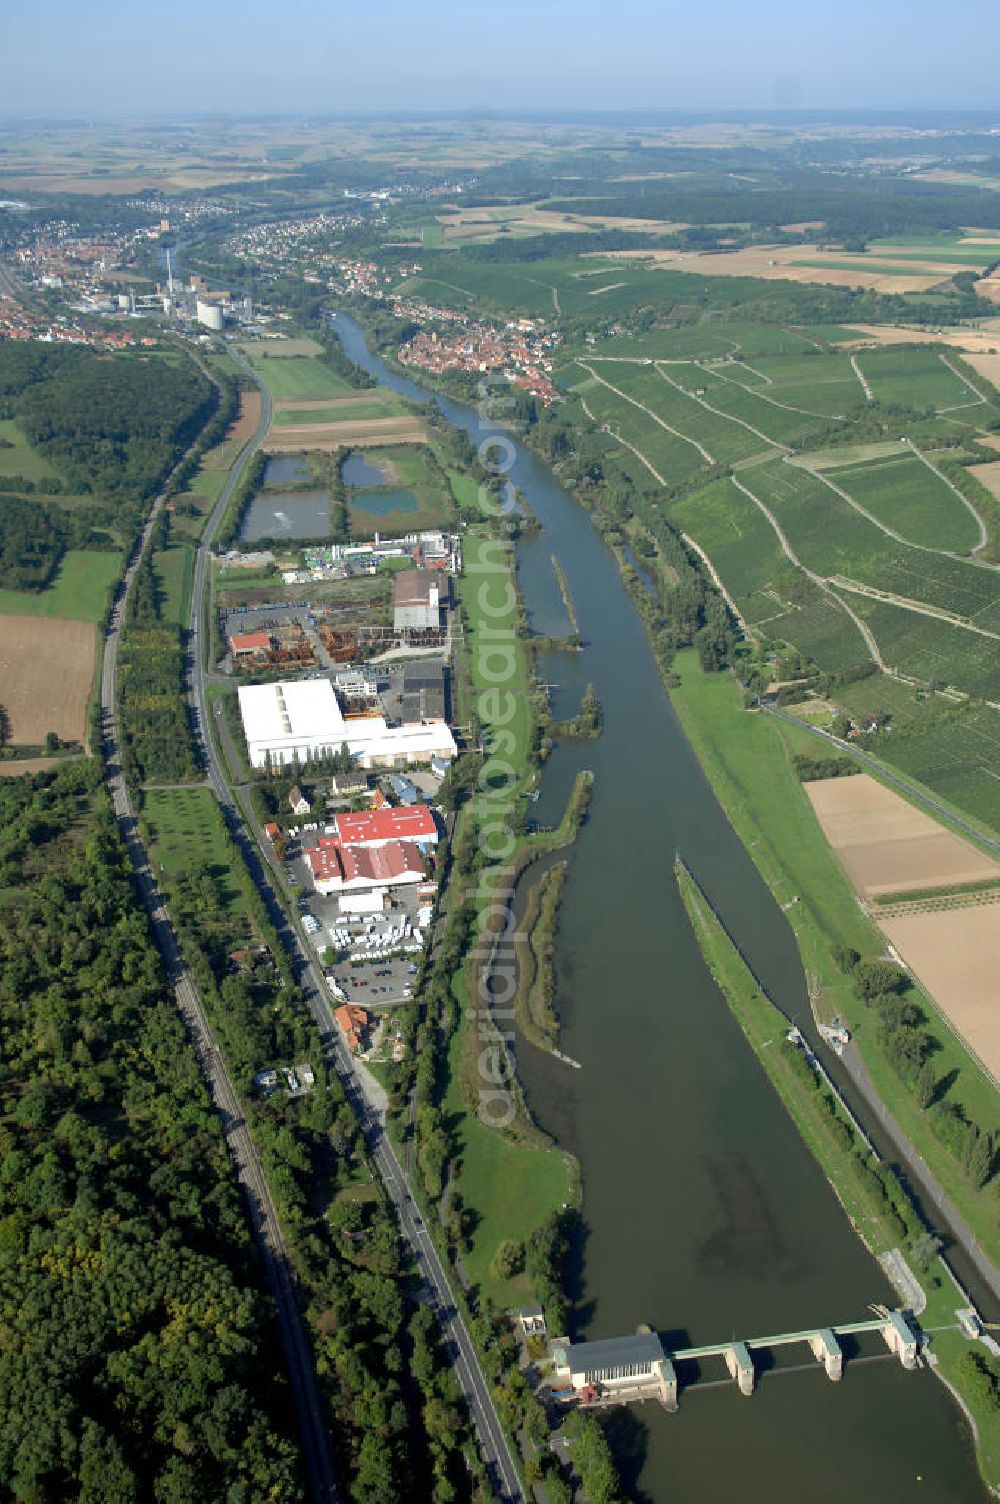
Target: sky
[[246, 57]]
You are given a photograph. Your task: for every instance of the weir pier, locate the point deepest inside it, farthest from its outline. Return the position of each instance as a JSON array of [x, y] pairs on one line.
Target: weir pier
[[620, 1369]]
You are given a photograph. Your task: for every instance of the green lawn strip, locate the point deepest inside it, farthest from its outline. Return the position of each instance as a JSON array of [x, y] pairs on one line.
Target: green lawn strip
[[765, 1027], [828, 1134], [748, 761], [481, 590], [511, 1186], [187, 831], [79, 592]]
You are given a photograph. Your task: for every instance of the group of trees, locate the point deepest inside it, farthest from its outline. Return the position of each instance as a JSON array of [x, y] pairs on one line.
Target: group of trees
[[138, 1352], [911, 1049]]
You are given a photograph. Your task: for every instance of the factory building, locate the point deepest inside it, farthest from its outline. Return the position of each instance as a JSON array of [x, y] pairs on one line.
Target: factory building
[[418, 595], [298, 720]]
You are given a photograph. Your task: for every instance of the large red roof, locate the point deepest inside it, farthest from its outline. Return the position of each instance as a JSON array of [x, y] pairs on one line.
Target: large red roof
[[414, 822], [249, 642], [378, 864]]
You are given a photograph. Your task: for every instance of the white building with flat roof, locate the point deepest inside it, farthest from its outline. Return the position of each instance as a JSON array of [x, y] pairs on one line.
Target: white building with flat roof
[[301, 719]]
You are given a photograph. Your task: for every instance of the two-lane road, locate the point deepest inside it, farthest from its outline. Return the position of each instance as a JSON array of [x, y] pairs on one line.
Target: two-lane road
[[260, 859]]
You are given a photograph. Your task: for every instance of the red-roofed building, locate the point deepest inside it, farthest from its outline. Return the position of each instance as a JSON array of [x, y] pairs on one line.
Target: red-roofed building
[[272, 831], [250, 644], [354, 1022], [337, 868], [375, 827]]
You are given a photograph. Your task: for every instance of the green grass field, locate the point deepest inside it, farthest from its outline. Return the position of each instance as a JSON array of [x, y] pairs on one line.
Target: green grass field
[[79, 591], [360, 411], [175, 568], [297, 375], [748, 761], [187, 832], [830, 537], [21, 459]]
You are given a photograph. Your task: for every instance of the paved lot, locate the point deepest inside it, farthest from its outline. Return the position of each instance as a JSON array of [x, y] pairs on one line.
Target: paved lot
[[363, 971]]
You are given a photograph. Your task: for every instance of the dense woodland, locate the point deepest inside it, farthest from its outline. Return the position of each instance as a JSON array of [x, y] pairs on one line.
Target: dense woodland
[[111, 427], [140, 1359]]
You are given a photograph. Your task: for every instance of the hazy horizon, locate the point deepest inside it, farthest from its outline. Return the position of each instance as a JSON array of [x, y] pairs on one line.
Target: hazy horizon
[[114, 59]]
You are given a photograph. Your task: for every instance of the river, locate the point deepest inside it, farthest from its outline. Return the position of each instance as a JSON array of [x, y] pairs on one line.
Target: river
[[704, 1214]]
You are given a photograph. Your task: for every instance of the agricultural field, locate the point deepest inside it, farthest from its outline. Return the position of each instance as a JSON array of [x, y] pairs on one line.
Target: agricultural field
[[932, 650], [911, 499], [835, 540], [290, 368], [955, 955], [46, 677], [819, 384], [886, 845], [741, 544], [916, 378], [951, 747]]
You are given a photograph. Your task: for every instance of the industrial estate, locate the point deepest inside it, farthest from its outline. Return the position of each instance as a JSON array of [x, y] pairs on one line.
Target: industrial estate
[[500, 750]]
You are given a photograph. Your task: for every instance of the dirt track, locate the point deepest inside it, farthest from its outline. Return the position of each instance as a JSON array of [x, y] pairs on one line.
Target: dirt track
[[46, 676]]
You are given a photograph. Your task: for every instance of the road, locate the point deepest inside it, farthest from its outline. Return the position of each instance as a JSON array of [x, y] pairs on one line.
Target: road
[[265, 870], [265, 1223]]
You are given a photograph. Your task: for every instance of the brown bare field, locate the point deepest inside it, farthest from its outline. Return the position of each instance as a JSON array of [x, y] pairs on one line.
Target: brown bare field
[[14, 769], [955, 955], [238, 433], [989, 440], [46, 674], [778, 263], [329, 436], [988, 475], [129, 182], [486, 222], [886, 845], [979, 346]]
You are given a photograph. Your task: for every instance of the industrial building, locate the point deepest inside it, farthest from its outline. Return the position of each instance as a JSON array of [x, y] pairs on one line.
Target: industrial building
[[376, 827], [418, 596], [298, 720], [338, 868]]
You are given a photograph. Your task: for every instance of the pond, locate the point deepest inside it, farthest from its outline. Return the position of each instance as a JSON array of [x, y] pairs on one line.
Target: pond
[[356, 470], [378, 503], [286, 514], [287, 470]]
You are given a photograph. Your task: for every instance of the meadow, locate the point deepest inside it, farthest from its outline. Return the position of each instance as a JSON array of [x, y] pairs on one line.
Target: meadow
[[296, 375]]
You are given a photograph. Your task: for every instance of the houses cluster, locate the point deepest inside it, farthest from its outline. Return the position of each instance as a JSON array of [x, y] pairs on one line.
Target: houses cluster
[[520, 351]]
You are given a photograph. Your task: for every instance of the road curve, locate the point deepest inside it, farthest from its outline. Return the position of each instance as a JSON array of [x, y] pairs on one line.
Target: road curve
[[264, 869], [265, 1223]]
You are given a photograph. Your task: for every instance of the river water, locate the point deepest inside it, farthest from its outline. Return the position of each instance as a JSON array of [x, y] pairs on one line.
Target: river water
[[704, 1214]]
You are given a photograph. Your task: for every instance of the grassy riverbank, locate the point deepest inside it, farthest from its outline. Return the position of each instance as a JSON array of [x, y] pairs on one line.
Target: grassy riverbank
[[873, 1199], [535, 1016], [748, 759]]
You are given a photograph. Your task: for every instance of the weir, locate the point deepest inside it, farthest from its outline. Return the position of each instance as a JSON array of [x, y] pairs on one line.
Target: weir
[[626, 1368]]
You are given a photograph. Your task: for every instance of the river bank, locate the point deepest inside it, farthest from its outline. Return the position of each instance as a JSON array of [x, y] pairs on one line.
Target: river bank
[[703, 1212]]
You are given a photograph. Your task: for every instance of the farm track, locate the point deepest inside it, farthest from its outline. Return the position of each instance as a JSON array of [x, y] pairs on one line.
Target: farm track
[[774, 443], [817, 579], [788, 407], [865, 387], [708, 458]]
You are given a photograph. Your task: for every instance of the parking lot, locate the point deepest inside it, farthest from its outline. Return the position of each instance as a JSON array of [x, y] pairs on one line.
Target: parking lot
[[376, 954]]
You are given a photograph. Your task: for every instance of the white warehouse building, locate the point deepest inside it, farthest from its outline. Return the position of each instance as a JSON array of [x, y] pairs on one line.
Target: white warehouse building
[[301, 719]]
